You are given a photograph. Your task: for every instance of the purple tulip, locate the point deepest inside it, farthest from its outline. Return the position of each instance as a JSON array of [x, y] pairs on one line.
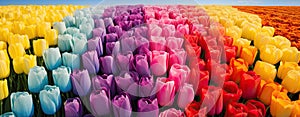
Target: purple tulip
[[99, 32], [146, 85], [115, 29], [185, 96], [106, 64], [125, 25], [110, 47], [141, 31], [179, 74], [159, 62], [172, 112], [73, 107], [96, 44], [136, 23], [124, 62], [99, 23], [105, 81], [100, 102], [128, 44], [108, 22], [125, 80], [90, 61], [121, 105], [112, 37], [141, 65], [81, 82], [147, 108], [174, 43]]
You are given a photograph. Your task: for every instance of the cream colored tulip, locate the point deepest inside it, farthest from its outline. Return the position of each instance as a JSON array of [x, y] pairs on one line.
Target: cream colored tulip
[[290, 54], [266, 71], [270, 54]]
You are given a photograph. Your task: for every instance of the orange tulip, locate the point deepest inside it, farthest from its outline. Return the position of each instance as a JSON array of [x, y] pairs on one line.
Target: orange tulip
[[239, 66], [249, 54], [296, 110], [266, 90], [281, 105]]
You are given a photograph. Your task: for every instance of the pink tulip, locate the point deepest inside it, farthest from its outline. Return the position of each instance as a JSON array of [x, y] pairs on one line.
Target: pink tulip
[[179, 74], [185, 96], [165, 91], [159, 62]]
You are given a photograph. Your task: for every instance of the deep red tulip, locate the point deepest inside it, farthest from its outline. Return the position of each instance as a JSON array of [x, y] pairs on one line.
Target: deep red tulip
[[231, 93], [249, 84]]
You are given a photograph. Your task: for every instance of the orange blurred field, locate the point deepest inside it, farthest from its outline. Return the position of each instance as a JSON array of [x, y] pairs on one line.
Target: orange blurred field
[[285, 19]]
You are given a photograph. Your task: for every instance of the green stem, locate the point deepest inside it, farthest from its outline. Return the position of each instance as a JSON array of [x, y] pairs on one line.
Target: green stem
[[1, 110]]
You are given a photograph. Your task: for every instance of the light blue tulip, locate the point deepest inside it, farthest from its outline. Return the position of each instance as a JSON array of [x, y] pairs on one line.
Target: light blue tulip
[[69, 21], [72, 31], [60, 27], [37, 79], [61, 78], [8, 114], [79, 44], [21, 104], [64, 42], [71, 60], [80, 20], [86, 29], [50, 99], [52, 58]]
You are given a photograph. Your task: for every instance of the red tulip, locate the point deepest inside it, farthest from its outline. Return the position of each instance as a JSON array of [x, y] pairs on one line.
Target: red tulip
[[235, 109], [227, 40], [230, 52], [212, 98], [201, 81], [231, 93], [256, 108], [193, 110], [249, 84]]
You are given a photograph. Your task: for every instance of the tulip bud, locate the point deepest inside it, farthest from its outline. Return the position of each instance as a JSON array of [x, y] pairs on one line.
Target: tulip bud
[[37, 79], [185, 96], [60, 27], [73, 107], [270, 54], [241, 43], [3, 89], [4, 64], [39, 46], [291, 81], [50, 99], [249, 54], [62, 79], [285, 67], [51, 37], [91, 62], [290, 54], [22, 104], [18, 65], [52, 58], [42, 28], [281, 42], [16, 50], [266, 71], [71, 60], [29, 62], [81, 82], [165, 91]]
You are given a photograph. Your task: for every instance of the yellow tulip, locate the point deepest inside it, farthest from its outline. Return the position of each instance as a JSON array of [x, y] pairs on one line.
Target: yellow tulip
[[239, 66], [3, 45], [16, 50], [266, 71], [269, 30], [18, 27], [51, 37], [281, 42], [4, 69], [241, 43], [249, 32], [30, 31], [3, 89], [18, 65], [266, 90], [270, 54], [39, 46], [249, 54], [20, 39], [296, 110], [291, 54], [292, 81], [261, 39], [234, 32], [29, 62], [4, 32], [42, 27], [281, 105], [285, 67], [226, 22]]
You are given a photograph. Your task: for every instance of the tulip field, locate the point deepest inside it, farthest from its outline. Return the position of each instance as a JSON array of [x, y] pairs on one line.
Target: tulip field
[[149, 61]]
